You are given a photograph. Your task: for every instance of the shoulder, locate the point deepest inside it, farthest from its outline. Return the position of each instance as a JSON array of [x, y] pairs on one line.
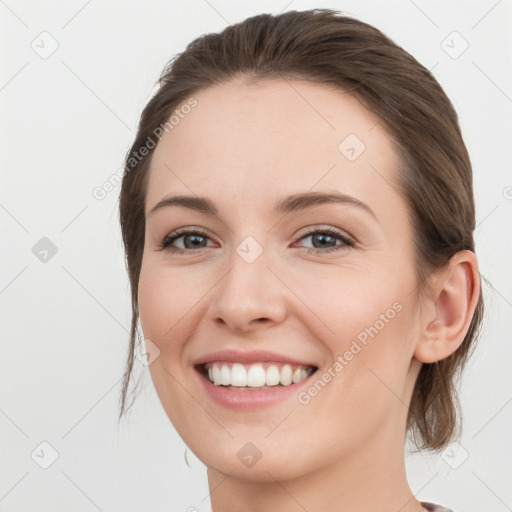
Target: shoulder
[[434, 507]]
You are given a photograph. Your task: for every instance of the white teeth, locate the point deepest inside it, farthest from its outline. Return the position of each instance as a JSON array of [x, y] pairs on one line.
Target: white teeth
[[225, 375], [238, 375], [216, 375], [286, 375], [272, 376], [255, 375]]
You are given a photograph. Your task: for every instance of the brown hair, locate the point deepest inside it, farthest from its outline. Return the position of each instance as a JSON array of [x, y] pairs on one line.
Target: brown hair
[[325, 47]]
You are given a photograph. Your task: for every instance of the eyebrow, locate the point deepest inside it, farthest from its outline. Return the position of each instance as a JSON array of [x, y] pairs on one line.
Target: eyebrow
[[293, 203]]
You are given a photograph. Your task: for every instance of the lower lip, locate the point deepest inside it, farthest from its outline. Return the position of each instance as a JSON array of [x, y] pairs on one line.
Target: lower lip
[[250, 399]]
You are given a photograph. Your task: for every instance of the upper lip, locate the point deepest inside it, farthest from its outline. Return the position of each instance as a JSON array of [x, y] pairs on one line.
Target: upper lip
[[254, 356]]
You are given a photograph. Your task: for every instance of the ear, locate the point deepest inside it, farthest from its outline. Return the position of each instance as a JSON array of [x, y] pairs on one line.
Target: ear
[[450, 307]]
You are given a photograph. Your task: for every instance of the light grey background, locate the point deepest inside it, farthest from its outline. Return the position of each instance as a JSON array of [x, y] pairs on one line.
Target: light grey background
[[66, 122]]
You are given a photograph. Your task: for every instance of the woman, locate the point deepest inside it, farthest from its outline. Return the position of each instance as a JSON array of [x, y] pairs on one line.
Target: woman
[[297, 213]]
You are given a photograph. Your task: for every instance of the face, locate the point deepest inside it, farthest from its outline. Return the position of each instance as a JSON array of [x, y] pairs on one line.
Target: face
[[324, 283]]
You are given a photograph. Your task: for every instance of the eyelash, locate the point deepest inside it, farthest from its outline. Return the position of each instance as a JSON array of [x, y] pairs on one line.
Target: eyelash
[[169, 239]]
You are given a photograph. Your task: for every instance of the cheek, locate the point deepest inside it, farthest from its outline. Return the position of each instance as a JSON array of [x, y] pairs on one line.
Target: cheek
[[166, 309], [166, 297], [351, 303], [153, 302], [364, 321]]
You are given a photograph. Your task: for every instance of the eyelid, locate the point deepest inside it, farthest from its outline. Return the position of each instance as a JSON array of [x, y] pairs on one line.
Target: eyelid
[[307, 230], [347, 240], [187, 230]]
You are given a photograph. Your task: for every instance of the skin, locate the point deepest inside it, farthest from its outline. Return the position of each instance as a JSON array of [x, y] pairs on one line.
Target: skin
[[245, 147]]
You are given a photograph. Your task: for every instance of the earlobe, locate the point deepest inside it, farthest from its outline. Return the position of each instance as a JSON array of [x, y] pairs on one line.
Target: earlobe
[[452, 305]]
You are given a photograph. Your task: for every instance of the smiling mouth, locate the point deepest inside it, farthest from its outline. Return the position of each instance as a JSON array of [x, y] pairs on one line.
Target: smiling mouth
[[256, 376]]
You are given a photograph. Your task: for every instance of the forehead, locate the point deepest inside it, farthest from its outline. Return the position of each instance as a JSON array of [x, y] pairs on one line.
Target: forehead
[[271, 138]]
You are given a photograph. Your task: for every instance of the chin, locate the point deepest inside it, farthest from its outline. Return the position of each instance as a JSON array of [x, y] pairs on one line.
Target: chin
[[255, 462]]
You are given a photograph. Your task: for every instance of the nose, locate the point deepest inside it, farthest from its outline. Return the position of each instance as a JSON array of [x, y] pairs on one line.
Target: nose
[[250, 296]]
